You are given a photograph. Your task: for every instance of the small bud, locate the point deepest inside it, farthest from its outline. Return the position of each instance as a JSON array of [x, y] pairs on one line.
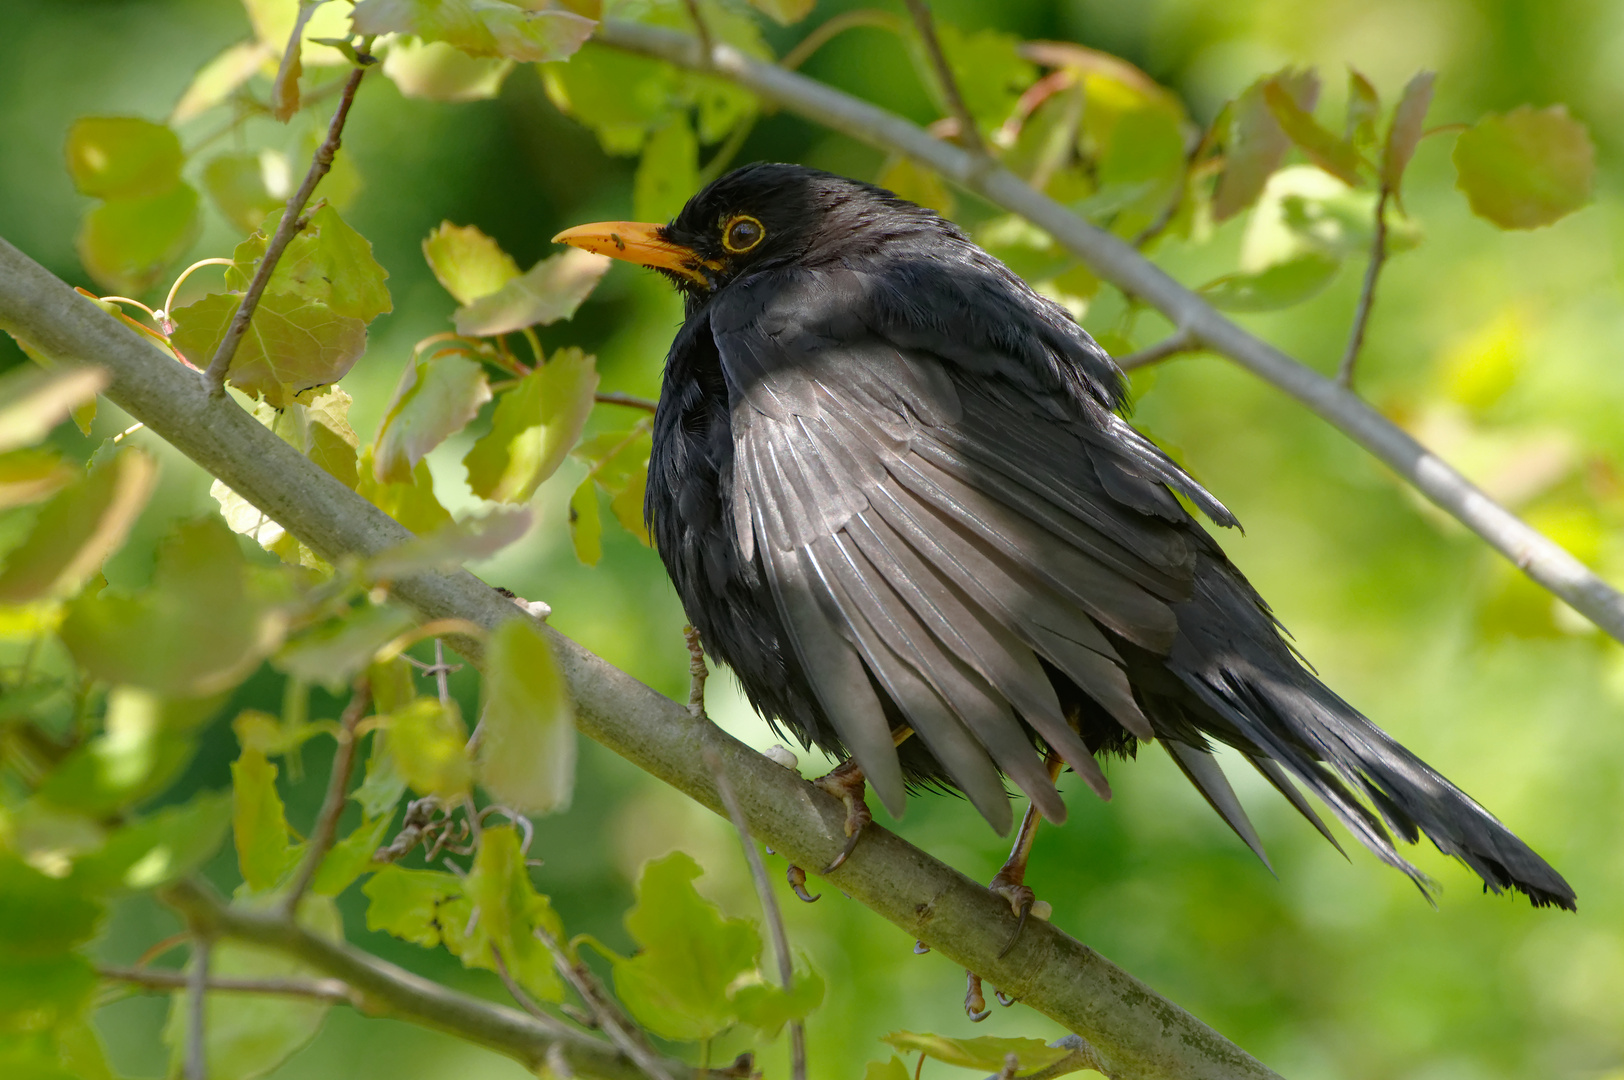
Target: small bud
[[783, 755], [1042, 909]]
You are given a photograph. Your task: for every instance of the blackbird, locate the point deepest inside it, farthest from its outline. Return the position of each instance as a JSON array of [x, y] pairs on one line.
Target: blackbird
[[896, 495]]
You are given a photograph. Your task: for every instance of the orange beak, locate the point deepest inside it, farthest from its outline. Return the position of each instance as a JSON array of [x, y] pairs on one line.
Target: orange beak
[[640, 243]]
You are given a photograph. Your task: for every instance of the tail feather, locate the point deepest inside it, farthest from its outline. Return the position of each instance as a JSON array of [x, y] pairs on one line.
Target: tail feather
[[1233, 659]]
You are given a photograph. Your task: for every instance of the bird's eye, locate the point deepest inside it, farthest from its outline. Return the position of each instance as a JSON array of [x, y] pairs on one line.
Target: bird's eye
[[741, 233]]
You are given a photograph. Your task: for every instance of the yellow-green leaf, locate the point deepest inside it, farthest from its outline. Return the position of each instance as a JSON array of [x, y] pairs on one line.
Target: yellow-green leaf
[[467, 262], [259, 822], [123, 157], [293, 344], [549, 291], [527, 728], [1253, 142], [522, 31], [331, 654], [219, 78], [236, 183], [78, 529], [327, 260], [410, 502], [1335, 155], [448, 547], [436, 71], [985, 1053], [534, 427], [126, 242], [1527, 168], [586, 528], [428, 740], [1409, 123], [668, 173], [436, 399], [33, 401]]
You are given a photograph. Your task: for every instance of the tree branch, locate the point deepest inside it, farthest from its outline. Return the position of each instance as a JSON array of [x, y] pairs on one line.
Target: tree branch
[[290, 224], [197, 1002], [1542, 559], [1180, 341], [387, 990], [332, 805], [1367, 293], [1140, 1033], [332, 991]]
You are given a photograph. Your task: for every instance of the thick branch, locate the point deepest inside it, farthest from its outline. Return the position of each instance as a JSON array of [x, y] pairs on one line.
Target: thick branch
[[388, 990], [1543, 560], [1141, 1034]]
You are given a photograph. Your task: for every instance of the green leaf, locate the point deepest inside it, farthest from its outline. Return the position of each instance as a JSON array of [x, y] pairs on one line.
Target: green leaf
[[33, 401], [123, 157], [627, 503], [429, 742], [907, 179], [1281, 285], [768, 1008], [1364, 105], [259, 822], [236, 183], [549, 291], [273, 22], [509, 909], [1253, 143], [219, 79], [28, 476], [42, 915], [533, 428], [327, 261], [527, 726], [204, 624], [448, 547], [586, 527], [1335, 155], [785, 12], [249, 1035], [157, 849], [126, 243], [406, 903], [331, 654], [412, 503], [1528, 168], [384, 784], [668, 173], [1409, 124], [677, 985], [894, 1069], [436, 399], [78, 529], [436, 71], [520, 31], [318, 426], [984, 1053], [989, 70], [38, 993], [147, 743], [467, 262], [350, 857], [293, 344]]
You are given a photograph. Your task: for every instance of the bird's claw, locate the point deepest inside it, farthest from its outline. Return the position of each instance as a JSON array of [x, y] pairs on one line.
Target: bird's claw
[[1007, 883], [797, 881], [975, 1003], [846, 784]]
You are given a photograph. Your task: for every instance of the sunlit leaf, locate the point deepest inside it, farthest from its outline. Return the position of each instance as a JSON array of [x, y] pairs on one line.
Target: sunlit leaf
[[412, 503], [586, 528], [126, 243], [123, 157], [78, 529], [449, 546], [406, 903], [259, 823], [785, 12], [318, 426], [520, 31], [273, 22], [33, 401], [201, 627], [293, 344], [326, 260], [1364, 105], [436, 399], [236, 183], [1331, 153], [549, 291], [249, 1035], [668, 173], [272, 736], [527, 726], [1305, 210], [219, 79], [428, 740], [331, 654], [1254, 144], [677, 984], [533, 428], [162, 847], [350, 857], [30, 475], [986, 1053], [619, 96], [437, 71], [1527, 168], [907, 179], [146, 743], [627, 503], [467, 262], [1409, 123]]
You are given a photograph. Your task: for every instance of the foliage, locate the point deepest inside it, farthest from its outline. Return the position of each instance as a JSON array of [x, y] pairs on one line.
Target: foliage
[[115, 680]]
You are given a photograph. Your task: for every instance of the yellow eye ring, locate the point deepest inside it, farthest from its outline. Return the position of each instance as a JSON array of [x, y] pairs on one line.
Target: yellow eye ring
[[742, 233]]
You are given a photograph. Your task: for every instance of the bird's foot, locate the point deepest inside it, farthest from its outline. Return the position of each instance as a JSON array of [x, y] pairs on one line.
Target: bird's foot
[[975, 1002], [797, 881], [697, 672], [846, 783], [1009, 884]]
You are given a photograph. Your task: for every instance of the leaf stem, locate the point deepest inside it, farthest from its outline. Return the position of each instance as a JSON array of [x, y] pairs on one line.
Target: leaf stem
[[604, 1012], [832, 28], [631, 401], [969, 134], [1367, 294], [291, 223], [1180, 341]]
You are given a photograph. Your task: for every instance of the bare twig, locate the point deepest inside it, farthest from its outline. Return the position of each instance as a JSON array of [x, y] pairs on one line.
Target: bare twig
[[332, 805], [631, 401], [291, 223], [197, 988], [769, 904], [333, 991], [1367, 294], [1180, 341], [969, 134], [602, 1009], [832, 28], [1543, 560], [701, 31], [517, 992]]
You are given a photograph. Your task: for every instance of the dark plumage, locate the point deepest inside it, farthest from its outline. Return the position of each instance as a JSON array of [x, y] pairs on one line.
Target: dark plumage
[[891, 486]]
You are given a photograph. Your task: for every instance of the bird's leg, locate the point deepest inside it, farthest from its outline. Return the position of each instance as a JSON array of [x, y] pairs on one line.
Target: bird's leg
[[846, 783], [1010, 881], [697, 672]]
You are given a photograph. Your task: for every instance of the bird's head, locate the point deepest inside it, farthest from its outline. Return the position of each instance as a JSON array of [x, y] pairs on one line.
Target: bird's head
[[760, 216]]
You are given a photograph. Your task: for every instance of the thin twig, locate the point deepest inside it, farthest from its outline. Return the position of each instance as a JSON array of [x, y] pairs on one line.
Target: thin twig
[[517, 992], [197, 984], [769, 904], [442, 673], [1180, 341], [334, 991], [631, 401], [700, 29], [291, 223], [332, 806], [969, 134], [832, 28], [604, 1013], [1367, 294]]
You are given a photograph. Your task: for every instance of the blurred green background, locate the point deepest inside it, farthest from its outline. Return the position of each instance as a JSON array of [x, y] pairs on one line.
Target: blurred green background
[[1503, 351]]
